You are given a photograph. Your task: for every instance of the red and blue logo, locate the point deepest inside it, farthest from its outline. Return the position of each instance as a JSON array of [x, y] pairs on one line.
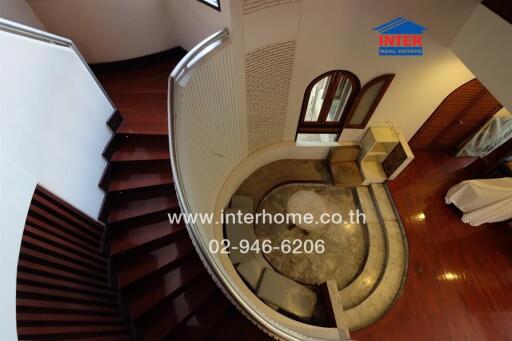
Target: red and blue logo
[[400, 37]]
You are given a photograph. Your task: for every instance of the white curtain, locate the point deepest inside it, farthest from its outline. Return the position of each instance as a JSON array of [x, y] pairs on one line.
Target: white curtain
[[482, 201]]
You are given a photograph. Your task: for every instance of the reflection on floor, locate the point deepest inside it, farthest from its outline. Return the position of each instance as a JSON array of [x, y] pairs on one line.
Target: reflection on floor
[[459, 278]]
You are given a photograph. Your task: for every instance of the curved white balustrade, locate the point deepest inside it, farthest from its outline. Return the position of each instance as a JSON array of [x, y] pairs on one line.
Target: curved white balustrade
[[208, 143]]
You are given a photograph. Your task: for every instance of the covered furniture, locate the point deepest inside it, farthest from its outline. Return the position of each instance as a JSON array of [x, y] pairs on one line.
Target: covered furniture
[[482, 201], [495, 132], [252, 269], [235, 233], [287, 294]]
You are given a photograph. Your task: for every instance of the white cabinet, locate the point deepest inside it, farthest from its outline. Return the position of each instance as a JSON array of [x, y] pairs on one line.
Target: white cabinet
[[384, 154]]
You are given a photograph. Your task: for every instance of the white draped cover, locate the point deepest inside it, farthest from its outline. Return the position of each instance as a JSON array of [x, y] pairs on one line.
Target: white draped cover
[[496, 131], [482, 201]]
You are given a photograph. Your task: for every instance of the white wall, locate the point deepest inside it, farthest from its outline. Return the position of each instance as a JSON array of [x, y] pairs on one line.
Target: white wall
[[338, 35], [19, 11], [484, 44], [53, 131], [113, 30], [110, 30], [17, 187], [192, 21]]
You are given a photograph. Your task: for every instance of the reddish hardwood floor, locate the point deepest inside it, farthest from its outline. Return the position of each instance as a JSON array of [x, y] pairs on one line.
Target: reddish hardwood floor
[[460, 277]]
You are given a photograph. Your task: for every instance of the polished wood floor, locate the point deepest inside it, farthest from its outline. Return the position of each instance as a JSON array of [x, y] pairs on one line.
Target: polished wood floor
[[459, 282]]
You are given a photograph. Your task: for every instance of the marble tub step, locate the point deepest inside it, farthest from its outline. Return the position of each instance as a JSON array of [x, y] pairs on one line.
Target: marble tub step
[[368, 279], [287, 294], [384, 203], [388, 289], [384, 271], [366, 201], [357, 291]]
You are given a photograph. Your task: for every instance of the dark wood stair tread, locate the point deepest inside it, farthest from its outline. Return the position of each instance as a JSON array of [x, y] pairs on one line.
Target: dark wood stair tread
[[235, 326], [128, 177], [61, 262], [72, 332], [40, 289], [248, 331], [131, 205], [61, 317], [152, 291], [36, 266], [126, 239], [126, 336], [226, 327], [145, 128], [135, 266], [197, 326], [164, 285], [61, 237], [144, 113], [151, 77], [31, 303], [160, 322], [66, 214], [65, 283], [141, 148], [144, 246]]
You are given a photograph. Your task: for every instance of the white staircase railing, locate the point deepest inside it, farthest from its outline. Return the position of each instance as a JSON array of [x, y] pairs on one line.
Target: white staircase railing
[[206, 143]]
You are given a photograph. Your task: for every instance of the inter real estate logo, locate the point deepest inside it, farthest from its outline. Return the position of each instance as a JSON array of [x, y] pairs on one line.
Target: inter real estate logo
[[400, 37]]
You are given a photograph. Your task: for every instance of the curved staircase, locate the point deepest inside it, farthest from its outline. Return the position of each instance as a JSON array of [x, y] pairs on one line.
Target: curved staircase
[[166, 292]]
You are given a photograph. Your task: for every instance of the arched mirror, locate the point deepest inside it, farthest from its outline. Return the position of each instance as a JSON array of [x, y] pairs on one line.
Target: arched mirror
[[326, 103], [334, 100]]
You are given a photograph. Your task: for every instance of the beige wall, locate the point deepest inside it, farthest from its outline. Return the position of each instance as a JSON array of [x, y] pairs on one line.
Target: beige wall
[[112, 30], [484, 44], [270, 35], [339, 35], [193, 21], [329, 34], [109, 30], [20, 12]]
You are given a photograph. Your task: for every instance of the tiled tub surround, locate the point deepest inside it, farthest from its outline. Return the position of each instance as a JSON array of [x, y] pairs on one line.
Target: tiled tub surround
[[368, 261], [380, 283], [345, 245]]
